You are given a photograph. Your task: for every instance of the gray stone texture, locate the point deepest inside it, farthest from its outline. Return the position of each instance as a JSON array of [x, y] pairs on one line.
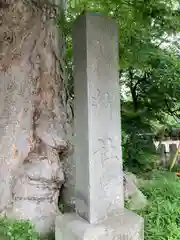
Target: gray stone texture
[[99, 192], [136, 199], [162, 151], [172, 148], [117, 226], [99, 184], [172, 151]]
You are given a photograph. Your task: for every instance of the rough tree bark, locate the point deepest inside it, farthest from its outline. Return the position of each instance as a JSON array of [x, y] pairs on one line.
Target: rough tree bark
[[33, 112]]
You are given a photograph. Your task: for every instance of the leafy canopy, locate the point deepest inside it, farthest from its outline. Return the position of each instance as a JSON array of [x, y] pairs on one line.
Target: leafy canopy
[[149, 62]]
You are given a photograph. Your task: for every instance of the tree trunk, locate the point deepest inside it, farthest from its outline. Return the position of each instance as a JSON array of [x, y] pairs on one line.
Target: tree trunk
[[33, 113]]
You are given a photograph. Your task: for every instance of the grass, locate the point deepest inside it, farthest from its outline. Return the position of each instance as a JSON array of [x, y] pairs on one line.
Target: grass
[[17, 230], [162, 215], [20, 230]]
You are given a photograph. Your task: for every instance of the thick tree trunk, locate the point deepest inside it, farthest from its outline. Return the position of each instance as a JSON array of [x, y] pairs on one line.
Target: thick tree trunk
[[33, 113]]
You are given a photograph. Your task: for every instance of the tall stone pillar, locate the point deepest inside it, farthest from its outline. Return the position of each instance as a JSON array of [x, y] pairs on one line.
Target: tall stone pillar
[[100, 212]]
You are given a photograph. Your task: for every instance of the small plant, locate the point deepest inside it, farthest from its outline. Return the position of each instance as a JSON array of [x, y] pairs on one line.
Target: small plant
[[17, 230]]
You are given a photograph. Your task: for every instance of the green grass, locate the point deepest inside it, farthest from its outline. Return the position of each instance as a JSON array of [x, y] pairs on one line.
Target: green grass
[[20, 230], [17, 230], [162, 215]]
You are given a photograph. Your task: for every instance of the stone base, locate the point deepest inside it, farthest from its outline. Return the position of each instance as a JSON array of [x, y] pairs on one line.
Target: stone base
[[126, 226]]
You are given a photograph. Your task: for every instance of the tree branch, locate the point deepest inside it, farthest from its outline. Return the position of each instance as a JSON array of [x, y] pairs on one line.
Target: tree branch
[[133, 90]]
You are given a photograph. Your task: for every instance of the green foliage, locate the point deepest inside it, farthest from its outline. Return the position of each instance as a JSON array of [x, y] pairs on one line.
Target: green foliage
[[162, 215], [139, 154], [17, 230], [176, 168], [149, 67]]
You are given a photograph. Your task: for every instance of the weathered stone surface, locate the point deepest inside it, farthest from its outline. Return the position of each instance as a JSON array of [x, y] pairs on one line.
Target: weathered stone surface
[[162, 151], [132, 177], [172, 151], [99, 179], [99, 189], [136, 199], [118, 225]]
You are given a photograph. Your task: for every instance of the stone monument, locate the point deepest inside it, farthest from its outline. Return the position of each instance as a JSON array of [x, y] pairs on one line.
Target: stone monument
[[172, 152], [99, 200], [162, 152]]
